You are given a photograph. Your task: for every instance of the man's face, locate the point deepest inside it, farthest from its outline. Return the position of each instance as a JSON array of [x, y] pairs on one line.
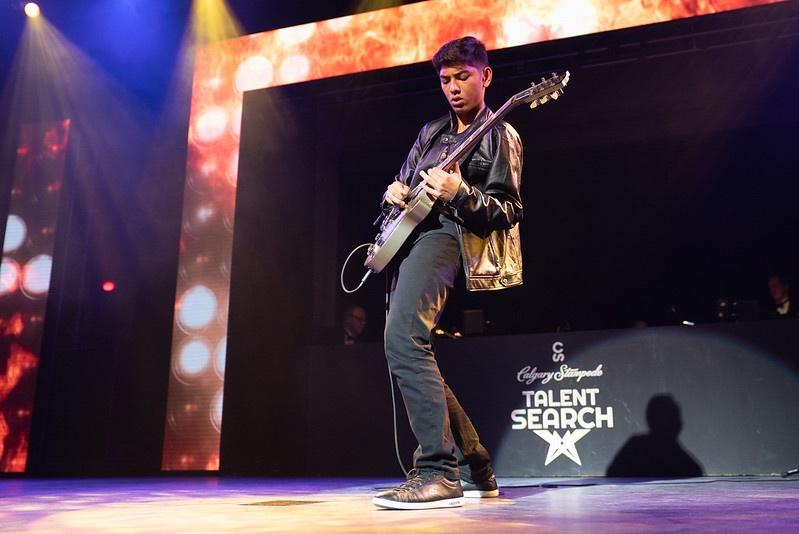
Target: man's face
[[777, 288], [464, 87], [355, 321]]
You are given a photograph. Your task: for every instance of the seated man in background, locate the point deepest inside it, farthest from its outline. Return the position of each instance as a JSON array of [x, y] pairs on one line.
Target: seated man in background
[[779, 288], [353, 322], [348, 330]]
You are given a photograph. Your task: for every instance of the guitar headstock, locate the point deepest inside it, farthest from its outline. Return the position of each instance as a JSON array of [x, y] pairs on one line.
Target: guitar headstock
[[542, 92]]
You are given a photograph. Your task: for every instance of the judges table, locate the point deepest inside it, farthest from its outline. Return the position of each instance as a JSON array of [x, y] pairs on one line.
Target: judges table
[[667, 401]]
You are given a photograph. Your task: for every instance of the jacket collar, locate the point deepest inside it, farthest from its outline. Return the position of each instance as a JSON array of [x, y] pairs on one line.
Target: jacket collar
[[480, 119]]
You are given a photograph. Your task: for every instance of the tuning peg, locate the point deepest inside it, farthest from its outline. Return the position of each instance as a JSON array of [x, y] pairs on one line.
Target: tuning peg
[[555, 95], [534, 104], [543, 99]]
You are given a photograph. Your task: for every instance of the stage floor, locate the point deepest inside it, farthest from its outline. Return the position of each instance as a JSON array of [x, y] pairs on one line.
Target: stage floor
[[183, 504]]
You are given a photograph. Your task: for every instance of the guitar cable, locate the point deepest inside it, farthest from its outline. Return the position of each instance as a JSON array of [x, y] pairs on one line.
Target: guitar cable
[[344, 267], [391, 386], [388, 365], [394, 414]]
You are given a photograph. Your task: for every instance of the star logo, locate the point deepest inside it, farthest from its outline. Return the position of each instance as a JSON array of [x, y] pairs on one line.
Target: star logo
[[562, 445]]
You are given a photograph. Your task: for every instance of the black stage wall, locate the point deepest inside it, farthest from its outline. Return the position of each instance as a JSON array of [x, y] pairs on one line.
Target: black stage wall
[[662, 180], [659, 402], [274, 243]]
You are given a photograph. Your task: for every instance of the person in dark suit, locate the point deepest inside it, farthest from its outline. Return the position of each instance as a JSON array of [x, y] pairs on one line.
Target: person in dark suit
[[349, 329], [353, 323], [779, 288]]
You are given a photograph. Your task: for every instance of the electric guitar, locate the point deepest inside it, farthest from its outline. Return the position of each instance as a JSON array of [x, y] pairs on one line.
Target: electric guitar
[[397, 224]]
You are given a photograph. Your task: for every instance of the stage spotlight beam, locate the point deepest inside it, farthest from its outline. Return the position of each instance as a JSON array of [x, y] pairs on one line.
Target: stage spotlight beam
[[32, 10]]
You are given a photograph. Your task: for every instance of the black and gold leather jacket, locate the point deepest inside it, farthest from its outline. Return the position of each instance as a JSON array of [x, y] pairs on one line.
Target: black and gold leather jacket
[[487, 207]]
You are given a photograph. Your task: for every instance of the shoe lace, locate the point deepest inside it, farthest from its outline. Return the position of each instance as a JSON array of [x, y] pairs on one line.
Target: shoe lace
[[413, 481]]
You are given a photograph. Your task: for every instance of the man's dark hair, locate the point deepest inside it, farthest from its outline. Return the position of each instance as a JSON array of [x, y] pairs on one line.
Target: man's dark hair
[[350, 307], [782, 277], [464, 51]]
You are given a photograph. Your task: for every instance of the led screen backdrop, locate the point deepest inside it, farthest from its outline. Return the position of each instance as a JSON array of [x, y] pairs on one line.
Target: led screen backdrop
[[25, 280], [346, 45]]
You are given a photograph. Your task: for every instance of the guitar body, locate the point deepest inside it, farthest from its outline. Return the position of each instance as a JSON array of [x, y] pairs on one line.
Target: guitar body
[[396, 228], [399, 223]]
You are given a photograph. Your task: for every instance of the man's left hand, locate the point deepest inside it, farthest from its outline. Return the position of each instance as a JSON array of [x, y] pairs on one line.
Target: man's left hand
[[440, 184]]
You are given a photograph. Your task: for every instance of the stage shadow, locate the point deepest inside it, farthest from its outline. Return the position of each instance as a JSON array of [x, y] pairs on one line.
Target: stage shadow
[[657, 453]]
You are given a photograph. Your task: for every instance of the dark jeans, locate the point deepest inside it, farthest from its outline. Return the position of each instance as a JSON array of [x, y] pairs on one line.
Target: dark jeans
[[448, 442]]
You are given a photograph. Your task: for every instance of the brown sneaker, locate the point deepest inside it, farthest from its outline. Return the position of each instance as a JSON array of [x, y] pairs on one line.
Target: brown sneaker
[[422, 491], [480, 489]]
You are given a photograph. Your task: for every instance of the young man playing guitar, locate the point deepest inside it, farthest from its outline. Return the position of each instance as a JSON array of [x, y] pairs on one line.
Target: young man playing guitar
[[474, 223]]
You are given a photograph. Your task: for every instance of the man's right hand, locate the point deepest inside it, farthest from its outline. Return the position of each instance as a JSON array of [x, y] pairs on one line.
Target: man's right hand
[[396, 193]]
